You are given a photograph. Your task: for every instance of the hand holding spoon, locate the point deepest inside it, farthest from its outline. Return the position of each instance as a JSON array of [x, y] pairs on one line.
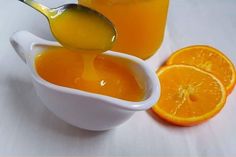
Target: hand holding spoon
[[78, 27]]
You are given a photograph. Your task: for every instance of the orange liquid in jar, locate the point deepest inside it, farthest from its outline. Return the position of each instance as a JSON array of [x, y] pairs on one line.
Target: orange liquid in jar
[[140, 24], [66, 68]]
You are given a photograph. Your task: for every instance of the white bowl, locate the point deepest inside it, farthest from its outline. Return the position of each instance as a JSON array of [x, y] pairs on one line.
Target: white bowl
[[83, 109]]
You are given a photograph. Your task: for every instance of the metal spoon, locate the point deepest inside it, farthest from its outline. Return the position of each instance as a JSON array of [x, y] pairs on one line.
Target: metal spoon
[[99, 33]]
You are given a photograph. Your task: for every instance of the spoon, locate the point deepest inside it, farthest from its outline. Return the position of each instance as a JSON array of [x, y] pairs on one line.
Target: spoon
[[78, 27]]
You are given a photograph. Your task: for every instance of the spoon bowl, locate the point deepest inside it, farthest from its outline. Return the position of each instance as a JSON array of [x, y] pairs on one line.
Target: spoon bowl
[[78, 27]]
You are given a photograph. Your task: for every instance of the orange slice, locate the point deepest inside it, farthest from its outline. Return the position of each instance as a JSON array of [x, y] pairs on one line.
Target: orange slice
[[209, 59], [189, 95]]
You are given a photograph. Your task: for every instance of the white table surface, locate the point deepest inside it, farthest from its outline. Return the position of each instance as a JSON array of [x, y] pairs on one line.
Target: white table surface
[[28, 128]]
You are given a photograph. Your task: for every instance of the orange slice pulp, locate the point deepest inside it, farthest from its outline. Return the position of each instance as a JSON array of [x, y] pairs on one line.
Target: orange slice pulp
[[189, 95]]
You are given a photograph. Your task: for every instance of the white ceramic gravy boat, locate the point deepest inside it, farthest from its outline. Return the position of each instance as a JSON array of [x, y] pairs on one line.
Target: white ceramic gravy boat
[[83, 109]]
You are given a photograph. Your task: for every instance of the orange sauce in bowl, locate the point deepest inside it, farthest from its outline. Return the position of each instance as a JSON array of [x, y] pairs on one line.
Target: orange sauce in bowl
[[109, 77]]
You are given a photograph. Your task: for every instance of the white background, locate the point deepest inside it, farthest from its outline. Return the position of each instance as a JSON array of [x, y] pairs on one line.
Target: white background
[[28, 128]]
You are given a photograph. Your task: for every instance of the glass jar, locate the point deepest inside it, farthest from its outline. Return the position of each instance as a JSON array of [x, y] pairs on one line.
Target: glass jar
[[140, 24]]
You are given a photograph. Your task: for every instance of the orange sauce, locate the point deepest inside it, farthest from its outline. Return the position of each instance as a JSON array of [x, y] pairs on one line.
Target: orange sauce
[[140, 24], [77, 28], [66, 68]]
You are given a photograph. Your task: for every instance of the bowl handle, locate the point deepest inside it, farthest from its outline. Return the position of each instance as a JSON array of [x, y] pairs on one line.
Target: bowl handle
[[22, 42]]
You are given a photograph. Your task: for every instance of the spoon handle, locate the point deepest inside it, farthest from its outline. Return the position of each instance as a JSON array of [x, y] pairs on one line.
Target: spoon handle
[[37, 6]]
